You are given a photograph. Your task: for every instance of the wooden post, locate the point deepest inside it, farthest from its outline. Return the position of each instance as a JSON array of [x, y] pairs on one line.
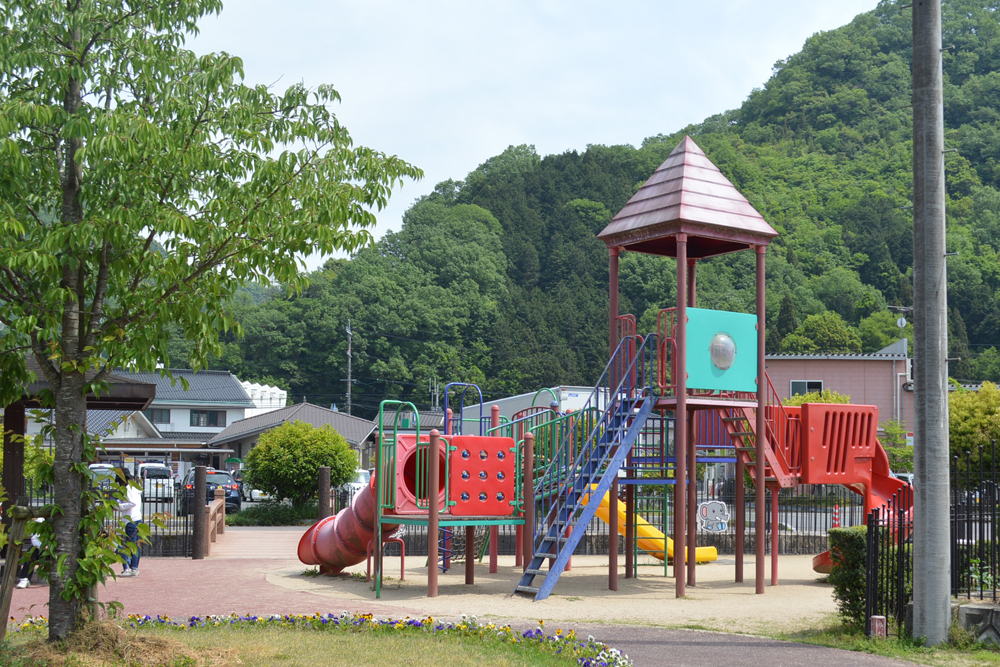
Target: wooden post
[[15, 538], [528, 546], [324, 492], [470, 555], [198, 512], [433, 455]]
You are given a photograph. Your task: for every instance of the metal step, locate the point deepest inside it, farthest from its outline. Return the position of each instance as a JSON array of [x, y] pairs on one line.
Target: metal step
[[742, 434], [544, 554], [552, 538], [746, 449], [733, 419], [534, 573], [531, 590]]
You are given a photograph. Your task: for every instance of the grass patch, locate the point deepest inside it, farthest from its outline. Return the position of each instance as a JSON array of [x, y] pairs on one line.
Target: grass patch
[[303, 641], [961, 650]]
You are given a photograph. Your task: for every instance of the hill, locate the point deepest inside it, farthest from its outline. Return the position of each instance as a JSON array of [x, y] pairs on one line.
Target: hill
[[499, 279]]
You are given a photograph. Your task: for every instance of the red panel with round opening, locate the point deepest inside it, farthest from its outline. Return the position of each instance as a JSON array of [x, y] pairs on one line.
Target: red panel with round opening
[[482, 476]]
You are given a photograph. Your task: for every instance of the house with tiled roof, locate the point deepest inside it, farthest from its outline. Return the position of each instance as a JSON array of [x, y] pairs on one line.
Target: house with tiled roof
[[241, 436], [179, 424]]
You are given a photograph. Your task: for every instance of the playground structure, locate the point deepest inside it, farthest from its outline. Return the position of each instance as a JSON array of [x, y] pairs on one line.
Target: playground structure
[[695, 391]]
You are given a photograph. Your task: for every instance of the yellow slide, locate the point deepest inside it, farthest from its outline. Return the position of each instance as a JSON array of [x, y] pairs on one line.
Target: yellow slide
[[650, 539]]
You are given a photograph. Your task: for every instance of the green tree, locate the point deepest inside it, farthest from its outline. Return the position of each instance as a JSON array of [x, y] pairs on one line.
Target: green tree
[[974, 423], [826, 333], [285, 462], [880, 329], [894, 442], [114, 138]]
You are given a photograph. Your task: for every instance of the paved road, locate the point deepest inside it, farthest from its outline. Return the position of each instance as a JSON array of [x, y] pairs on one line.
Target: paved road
[[234, 579]]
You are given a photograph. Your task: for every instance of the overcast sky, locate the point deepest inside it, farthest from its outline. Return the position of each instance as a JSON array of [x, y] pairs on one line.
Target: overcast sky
[[446, 85]]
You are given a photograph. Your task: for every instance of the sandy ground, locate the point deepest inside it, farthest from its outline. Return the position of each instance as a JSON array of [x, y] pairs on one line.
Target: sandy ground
[[582, 595]]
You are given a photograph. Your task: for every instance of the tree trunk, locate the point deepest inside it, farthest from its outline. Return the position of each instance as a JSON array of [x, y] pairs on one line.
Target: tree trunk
[[70, 421]]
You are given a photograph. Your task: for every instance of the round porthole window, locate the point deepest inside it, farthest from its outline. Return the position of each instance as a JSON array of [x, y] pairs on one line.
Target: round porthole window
[[722, 351]]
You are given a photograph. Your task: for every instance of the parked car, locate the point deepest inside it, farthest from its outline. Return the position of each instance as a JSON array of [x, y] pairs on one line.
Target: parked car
[[215, 479], [103, 477], [157, 482], [361, 479]]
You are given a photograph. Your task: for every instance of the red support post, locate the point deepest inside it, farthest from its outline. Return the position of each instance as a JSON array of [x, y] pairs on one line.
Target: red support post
[[433, 449], [613, 301], [775, 533], [741, 517], [629, 530], [761, 438], [692, 457], [613, 254], [692, 501], [681, 423], [613, 536]]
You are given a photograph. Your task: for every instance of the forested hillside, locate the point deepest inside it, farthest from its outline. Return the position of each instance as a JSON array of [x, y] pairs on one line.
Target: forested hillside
[[498, 279]]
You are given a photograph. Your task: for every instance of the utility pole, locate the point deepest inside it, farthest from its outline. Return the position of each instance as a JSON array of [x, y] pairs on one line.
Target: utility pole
[[434, 389], [349, 334], [931, 537]]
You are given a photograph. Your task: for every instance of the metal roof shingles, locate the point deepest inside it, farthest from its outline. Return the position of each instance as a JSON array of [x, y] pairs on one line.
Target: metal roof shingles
[[353, 429], [687, 188], [219, 387]]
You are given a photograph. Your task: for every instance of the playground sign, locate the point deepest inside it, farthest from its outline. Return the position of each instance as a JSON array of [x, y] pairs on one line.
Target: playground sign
[[721, 350]]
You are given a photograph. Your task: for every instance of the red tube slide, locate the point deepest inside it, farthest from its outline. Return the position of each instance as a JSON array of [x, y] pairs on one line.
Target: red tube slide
[[879, 490], [340, 541]]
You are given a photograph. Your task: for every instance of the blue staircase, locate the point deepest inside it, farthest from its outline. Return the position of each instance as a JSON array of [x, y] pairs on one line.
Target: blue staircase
[[576, 480]]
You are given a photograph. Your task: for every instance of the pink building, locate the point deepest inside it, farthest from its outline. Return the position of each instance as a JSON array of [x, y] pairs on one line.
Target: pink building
[[879, 378]]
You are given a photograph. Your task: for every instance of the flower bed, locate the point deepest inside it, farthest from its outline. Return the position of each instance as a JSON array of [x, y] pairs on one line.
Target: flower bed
[[588, 653]]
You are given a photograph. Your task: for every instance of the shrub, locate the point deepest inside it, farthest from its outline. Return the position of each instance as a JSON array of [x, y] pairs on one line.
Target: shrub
[[286, 461], [825, 396], [849, 550]]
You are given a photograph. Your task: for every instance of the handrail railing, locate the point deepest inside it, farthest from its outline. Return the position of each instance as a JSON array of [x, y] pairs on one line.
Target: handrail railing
[[784, 431], [449, 430], [625, 379]]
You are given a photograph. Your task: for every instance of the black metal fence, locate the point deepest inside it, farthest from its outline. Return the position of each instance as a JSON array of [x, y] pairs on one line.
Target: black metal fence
[[173, 538], [975, 554], [975, 551], [889, 561], [805, 516]]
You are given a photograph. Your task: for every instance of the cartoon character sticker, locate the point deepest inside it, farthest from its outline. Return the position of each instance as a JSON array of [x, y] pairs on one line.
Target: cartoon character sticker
[[713, 515]]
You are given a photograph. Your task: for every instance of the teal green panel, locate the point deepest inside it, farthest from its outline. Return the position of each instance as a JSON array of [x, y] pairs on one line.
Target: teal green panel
[[703, 327]]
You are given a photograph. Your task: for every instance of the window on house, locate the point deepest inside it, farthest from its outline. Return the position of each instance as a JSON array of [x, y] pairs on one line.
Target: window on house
[[800, 387], [158, 415], [208, 418]]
